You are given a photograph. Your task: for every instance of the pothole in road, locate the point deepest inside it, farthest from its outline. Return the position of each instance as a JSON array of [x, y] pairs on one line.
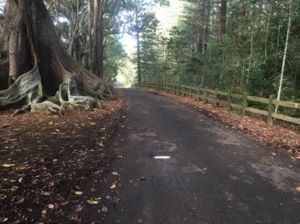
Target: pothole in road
[[160, 150], [165, 146]]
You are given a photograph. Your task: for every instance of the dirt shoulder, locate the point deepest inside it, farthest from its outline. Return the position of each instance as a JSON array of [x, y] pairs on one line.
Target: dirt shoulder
[[277, 136], [45, 160]]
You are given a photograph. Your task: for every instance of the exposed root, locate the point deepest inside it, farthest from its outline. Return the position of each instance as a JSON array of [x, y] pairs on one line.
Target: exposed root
[[46, 106], [26, 85], [68, 96], [56, 80]]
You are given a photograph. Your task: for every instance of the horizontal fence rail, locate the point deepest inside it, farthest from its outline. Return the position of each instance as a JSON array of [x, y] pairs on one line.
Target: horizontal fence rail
[[231, 100]]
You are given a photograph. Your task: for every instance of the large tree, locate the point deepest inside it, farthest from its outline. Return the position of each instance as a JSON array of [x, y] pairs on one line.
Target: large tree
[[37, 66]]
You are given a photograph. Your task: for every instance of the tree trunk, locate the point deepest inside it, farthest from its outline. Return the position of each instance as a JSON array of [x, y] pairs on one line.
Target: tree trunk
[[250, 58], [207, 25], [284, 54], [268, 30], [18, 51], [138, 49], [39, 65], [200, 41], [222, 23], [90, 35], [98, 38]]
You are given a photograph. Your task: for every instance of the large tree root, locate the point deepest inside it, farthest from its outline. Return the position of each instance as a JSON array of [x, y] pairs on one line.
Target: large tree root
[[28, 90], [55, 81]]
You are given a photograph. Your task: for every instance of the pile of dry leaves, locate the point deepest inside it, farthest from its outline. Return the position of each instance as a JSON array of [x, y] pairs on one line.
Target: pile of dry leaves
[[276, 135], [55, 168]]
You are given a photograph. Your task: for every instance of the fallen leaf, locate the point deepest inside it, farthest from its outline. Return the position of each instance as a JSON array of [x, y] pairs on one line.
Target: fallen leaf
[[46, 194], [3, 219], [115, 173], [78, 208], [92, 202], [14, 188], [8, 165], [20, 201], [51, 206], [65, 203], [79, 193], [104, 209], [113, 186]]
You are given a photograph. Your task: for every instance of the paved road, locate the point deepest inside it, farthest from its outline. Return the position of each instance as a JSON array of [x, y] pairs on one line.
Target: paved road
[[181, 166]]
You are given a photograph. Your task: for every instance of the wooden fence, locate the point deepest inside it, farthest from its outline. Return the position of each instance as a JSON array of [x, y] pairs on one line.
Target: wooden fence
[[232, 100]]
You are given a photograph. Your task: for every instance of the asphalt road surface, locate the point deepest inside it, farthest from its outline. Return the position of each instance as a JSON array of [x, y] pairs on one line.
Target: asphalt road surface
[[181, 166]]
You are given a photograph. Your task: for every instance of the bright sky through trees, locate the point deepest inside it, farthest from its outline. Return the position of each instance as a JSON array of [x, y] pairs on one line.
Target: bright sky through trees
[[167, 16]]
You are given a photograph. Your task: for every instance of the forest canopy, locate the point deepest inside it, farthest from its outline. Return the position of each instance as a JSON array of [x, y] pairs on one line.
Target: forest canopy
[[242, 46]]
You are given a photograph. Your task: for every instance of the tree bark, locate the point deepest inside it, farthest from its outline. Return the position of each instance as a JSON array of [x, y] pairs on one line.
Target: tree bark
[[222, 22], [39, 65], [138, 48], [19, 53], [90, 35], [268, 29], [284, 54], [207, 25], [98, 38]]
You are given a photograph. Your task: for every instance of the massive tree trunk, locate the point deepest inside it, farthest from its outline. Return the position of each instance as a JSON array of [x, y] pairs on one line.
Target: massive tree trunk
[[97, 64], [39, 66]]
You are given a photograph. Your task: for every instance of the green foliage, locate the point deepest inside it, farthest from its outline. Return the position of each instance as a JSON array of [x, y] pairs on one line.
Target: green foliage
[[247, 58], [113, 58]]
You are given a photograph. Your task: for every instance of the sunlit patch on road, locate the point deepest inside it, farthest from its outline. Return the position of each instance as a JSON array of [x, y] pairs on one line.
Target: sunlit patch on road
[[162, 157]]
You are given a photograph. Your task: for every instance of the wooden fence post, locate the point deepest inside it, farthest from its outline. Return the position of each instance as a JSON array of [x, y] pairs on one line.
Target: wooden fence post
[[270, 109], [205, 95], [229, 100], [198, 94], [217, 97], [245, 104]]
